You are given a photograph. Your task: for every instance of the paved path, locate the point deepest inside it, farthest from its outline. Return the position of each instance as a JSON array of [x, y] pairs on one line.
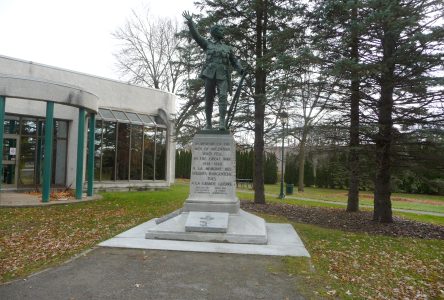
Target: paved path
[[17, 199], [418, 212], [113, 273]]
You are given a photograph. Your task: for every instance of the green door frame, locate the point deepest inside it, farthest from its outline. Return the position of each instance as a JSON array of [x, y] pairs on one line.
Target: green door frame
[[2, 130], [91, 150], [47, 159]]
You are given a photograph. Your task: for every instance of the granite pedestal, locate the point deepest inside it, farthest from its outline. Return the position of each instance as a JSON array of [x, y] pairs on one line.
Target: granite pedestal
[[211, 213]]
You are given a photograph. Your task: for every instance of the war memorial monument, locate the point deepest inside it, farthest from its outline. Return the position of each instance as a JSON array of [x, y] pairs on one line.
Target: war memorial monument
[[211, 219], [212, 212]]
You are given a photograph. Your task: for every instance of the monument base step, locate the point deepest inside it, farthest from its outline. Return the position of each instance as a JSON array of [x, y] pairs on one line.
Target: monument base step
[[243, 228], [231, 206]]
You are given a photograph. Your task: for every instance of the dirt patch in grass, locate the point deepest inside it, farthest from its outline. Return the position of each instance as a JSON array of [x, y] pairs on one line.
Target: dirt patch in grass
[[355, 222]]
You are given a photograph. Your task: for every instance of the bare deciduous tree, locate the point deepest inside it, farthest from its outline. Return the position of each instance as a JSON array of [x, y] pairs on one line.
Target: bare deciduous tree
[[148, 54]]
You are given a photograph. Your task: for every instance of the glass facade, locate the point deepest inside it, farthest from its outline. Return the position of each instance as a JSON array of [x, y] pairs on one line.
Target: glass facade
[[136, 152], [123, 146], [149, 150], [160, 154], [24, 151], [129, 146], [109, 147]]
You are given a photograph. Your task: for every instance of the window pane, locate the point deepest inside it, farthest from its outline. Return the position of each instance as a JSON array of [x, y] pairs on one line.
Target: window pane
[[160, 154], [149, 134], [106, 113], [27, 161], [133, 117], [123, 143], [29, 126], [159, 120], [59, 162], [120, 115], [8, 174], [61, 129], [147, 119], [11, 125], [108, 151], [39, 161], [97, 149], [136, 152]]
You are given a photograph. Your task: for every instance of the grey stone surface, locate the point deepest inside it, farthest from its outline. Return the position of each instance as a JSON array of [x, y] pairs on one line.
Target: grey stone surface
[[231, 207], [213, 174], [212, 211], [243, 228], [169, 216], [111, 273], [198, 221], [282, 241]]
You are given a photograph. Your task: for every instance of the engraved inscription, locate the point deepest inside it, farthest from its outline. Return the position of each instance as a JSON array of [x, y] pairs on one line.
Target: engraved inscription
[[213, 167]]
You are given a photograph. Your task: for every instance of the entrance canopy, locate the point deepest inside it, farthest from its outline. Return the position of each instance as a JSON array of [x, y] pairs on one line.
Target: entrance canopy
[[52, 92], [42, 90]]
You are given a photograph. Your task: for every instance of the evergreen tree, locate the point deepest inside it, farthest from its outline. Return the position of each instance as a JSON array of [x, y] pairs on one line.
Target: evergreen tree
[[338, 35], [270, 168], [404, 42]]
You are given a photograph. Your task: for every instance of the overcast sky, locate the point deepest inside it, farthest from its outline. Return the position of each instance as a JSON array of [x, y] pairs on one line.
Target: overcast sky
[[72, 34]]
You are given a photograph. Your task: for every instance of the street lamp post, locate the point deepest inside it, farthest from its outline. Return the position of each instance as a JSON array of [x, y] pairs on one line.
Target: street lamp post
[[284, 119]]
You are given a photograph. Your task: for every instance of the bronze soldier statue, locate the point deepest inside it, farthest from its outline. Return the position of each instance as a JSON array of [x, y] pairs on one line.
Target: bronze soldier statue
[[216, 71]]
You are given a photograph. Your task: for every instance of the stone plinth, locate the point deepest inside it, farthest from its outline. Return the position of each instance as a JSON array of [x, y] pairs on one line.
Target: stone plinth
[[211, 213], [213, 174], [243, 228]]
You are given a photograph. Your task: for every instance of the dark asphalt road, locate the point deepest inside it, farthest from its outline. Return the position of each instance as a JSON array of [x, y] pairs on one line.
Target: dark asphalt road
[[111, 273]]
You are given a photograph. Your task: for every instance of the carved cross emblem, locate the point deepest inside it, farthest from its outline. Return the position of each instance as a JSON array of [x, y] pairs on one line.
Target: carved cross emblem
[[204, 221]]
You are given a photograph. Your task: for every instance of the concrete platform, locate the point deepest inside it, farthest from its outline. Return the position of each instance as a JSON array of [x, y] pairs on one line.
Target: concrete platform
[[243, 228], [282, 241]]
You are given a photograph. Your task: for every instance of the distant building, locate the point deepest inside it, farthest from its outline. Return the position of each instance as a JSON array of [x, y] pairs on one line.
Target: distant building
[[277, 150], [132, 139]]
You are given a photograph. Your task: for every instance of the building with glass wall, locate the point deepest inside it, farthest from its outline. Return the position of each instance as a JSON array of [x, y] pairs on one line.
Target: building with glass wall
[[62, 128]]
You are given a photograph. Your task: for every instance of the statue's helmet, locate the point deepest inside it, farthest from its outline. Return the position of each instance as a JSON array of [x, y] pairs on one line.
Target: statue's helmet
[[217, 31]]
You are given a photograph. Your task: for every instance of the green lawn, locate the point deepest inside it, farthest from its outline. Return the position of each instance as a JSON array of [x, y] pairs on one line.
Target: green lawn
[[38, 237], [343, 264], [429, 203], [271, 198]]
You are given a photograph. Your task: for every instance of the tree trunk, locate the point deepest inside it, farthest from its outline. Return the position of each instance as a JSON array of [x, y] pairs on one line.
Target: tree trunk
[[383, 206], [259, 104], [353, 157], [302, 159]]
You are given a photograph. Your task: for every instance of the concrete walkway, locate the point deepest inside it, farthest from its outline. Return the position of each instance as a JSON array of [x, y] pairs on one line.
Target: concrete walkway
[[418, 212], [16, 199], [113, 273]]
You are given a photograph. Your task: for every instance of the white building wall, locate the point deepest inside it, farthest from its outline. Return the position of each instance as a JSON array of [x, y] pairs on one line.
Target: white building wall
[[112, 94]]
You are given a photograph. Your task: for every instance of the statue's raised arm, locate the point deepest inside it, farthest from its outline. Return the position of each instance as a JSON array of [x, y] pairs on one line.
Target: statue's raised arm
[[203, 43], [216, 71]]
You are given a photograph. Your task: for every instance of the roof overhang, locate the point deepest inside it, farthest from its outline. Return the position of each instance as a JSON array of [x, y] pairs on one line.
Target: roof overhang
[[42, 90]]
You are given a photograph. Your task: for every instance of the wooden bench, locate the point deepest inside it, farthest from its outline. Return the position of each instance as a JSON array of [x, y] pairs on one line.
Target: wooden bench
[[244, 182]]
